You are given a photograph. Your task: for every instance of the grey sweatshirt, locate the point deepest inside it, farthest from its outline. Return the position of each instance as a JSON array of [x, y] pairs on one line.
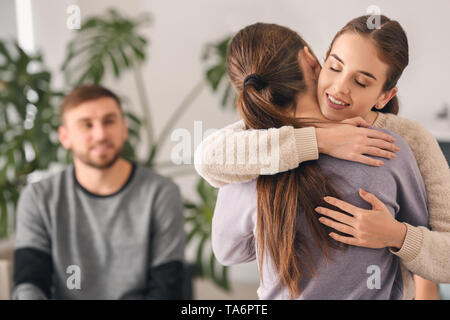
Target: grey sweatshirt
[[72, 244], [354, 273]]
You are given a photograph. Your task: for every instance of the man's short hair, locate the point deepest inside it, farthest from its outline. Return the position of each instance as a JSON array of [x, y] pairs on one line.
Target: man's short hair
[[85, 93]]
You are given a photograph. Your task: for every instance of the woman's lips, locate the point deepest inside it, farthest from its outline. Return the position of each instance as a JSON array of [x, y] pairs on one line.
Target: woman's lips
[[334, 105]]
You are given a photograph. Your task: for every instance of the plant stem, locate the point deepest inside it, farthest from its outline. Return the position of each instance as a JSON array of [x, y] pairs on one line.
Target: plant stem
[[176, 115], [145, 106]]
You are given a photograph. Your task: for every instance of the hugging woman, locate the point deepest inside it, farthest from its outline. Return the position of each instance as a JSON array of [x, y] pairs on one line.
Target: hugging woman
[[278, 93]]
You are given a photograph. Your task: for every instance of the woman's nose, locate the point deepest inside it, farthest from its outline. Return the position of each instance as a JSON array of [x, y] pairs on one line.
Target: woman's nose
[[341, 86]]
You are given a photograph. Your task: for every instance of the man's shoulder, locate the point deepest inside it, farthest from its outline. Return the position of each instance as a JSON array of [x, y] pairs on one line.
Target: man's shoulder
[[48, 182], [151, 178]]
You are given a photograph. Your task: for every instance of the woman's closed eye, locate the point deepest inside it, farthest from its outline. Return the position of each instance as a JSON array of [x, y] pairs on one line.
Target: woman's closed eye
[[360, 84], [335, 70], [356, 81]]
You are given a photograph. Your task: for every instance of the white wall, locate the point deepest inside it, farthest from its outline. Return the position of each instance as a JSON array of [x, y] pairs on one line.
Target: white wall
[[8, 29], [181, 29], [51, 33]]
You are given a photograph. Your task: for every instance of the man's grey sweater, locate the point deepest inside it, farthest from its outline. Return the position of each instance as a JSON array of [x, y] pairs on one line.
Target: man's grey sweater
[[72, 244], [354, 273]]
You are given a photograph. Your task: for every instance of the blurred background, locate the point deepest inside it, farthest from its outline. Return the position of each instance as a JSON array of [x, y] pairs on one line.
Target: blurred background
[[166, 60]]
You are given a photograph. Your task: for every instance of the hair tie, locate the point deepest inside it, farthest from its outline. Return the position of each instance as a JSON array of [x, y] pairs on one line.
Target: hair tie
[[255, 80]]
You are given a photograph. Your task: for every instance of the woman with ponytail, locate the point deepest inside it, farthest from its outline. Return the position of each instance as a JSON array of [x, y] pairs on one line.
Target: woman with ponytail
[[273, 219]]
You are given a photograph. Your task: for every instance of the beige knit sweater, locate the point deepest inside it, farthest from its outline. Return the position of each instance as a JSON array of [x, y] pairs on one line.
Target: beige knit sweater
[[424, 252]]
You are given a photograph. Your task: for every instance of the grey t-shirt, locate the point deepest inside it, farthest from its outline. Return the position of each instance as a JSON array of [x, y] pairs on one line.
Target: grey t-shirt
[[113, 242], [355, 273]]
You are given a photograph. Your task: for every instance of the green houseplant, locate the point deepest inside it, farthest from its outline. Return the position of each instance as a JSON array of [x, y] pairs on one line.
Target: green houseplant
[[27, 125]]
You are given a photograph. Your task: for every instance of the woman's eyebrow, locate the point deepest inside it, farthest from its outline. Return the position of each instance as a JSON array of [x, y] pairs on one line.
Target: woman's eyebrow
[[368, 74], [337, 58]]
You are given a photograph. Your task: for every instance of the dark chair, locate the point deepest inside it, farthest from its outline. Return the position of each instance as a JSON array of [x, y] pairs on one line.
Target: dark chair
[[445, 146], [188, 286]]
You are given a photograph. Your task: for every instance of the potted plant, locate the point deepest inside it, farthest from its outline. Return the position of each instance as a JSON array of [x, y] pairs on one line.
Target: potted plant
[[27, 129]]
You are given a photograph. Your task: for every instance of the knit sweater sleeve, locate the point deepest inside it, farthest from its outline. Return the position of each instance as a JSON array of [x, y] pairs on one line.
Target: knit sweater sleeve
[[427, 252], [235, 155]]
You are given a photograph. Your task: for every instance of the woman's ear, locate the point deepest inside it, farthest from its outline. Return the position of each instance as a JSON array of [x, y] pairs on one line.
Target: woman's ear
[[385, 98], [312, 61], [311, 69]]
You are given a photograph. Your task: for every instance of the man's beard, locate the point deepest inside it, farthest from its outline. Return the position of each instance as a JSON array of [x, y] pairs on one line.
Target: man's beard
[[84, 157]]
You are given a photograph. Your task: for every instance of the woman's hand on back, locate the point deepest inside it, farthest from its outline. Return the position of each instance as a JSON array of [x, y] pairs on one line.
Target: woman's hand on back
[[352, 140], [375, 228]]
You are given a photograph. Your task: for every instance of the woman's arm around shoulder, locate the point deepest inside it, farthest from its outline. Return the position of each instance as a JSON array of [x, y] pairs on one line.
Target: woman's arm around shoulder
[[235, 155]]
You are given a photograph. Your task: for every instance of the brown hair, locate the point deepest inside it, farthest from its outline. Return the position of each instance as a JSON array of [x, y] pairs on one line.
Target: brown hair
[[85, 93], [392, 44], [262, 63]]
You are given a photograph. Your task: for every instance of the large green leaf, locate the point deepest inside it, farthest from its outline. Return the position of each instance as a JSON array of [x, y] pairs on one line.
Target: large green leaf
[[104, 44], [216, 74]]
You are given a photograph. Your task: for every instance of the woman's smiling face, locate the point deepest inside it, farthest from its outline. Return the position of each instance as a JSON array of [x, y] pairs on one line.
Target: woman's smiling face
[[352, 78]]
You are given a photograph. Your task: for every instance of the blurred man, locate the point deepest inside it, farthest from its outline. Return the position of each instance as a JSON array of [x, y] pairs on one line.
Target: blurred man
[[104, 228]]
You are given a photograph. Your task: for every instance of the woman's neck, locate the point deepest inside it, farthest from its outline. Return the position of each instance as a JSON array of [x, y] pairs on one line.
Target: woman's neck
[[308, 107], [371, 117]]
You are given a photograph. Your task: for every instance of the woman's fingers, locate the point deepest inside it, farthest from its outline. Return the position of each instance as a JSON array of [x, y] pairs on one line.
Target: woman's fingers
[[357, 122], [367, 160], [347, 240], [376, 203], [383, 145], [377, 152], [338, 226], [344, 206], [336, 215], [379, 145], [371, 133], [356, 144]]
